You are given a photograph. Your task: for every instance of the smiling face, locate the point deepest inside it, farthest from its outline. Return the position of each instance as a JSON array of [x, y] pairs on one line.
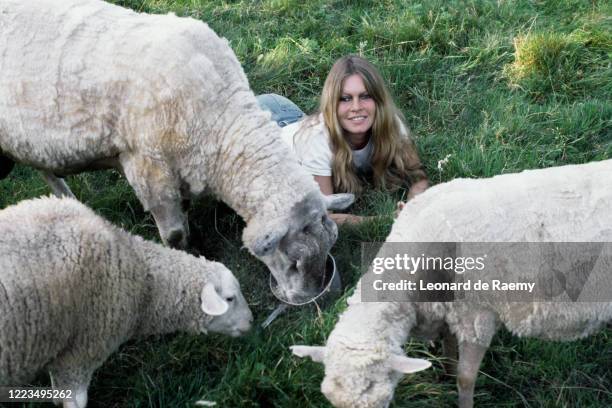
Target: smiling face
[[356, 108]]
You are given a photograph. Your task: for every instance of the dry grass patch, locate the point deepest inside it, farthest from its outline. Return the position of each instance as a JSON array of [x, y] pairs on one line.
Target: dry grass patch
[[553, 64]]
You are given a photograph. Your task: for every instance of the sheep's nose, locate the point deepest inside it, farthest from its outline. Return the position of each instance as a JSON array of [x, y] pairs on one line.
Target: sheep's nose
[[176, 239], [239, 331], [247, 325]]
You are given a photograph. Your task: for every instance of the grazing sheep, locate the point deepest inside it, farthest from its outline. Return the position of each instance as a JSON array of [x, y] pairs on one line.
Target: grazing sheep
[[89, 85], [363, 357], [73, 288]]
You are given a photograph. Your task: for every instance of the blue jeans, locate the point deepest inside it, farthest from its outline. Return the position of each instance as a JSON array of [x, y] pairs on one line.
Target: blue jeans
[[284, 112]]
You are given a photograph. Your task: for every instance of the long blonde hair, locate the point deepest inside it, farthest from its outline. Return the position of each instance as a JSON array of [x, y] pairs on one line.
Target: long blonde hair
[[395, 161]]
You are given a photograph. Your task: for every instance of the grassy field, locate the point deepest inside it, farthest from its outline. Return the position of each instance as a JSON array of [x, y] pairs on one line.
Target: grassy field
[[493, 86]]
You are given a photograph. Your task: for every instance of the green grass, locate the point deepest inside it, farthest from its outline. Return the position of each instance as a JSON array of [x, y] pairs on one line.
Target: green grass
[[495, 86]]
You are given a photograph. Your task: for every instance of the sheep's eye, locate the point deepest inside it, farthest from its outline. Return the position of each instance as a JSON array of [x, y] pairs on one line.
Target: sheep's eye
[[229, 299], [306, 229]]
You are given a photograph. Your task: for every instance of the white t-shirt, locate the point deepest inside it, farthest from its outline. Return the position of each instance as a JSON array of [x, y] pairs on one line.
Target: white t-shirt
[[310, 142]]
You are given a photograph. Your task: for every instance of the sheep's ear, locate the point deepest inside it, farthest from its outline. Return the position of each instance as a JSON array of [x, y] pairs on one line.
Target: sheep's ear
[[316, 353], [212, 303], [338, 201], [407, 365]]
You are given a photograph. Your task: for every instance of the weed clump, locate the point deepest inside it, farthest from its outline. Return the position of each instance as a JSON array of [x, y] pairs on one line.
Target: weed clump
[[554, 64]]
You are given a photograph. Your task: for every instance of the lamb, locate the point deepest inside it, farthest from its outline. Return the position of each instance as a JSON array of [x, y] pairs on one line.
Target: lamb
[[73, 288], [363, 357], [88, 85]]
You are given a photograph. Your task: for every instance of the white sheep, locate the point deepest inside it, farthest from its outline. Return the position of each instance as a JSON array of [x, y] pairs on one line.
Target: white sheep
[[363, 357], [73, 288], [90, 85]]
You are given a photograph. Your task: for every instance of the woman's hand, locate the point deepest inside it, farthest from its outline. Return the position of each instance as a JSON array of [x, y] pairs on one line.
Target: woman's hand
[[417, 188], [398, 208], [340, 219]]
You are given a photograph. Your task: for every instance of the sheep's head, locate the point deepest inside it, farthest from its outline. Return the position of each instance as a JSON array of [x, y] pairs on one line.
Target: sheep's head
[[295, 248], [222, 299], [360, 378]]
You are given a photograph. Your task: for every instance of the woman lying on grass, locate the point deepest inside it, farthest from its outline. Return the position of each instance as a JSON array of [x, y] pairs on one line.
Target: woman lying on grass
[[359, 137]]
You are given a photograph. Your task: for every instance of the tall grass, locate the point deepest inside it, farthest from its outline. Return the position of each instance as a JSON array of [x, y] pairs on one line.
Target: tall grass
[[490, 86]]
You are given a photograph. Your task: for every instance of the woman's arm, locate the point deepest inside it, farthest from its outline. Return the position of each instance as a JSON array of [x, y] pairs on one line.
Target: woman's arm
[[415, 175], [325, 184], [327, 188]]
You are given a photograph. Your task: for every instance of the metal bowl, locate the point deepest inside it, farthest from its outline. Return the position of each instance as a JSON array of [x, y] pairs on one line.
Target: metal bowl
[[331, 283]]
